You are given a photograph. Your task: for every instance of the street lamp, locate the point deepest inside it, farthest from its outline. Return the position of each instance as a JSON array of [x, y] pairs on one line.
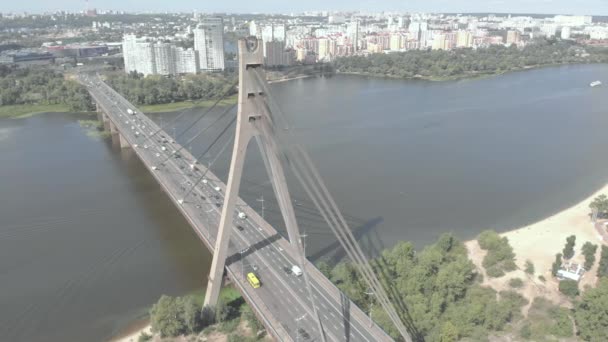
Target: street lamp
[[261, 199], [371, 307]]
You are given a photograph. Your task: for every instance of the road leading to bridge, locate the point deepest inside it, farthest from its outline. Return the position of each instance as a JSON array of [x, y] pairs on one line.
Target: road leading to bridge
[[282, 302]]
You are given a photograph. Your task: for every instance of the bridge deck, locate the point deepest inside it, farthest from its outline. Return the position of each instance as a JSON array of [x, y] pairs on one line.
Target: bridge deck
[[281, 302]]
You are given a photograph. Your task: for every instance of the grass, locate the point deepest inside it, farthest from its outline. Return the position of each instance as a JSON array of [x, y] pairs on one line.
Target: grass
[[26, 110], [228, 294], [175, 106]]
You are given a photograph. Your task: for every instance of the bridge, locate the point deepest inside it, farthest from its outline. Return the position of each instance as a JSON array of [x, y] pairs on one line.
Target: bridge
[[292, 307]]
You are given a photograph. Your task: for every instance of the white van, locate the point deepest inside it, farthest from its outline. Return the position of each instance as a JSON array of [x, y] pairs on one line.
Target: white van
[[296, 270], [242, 215]]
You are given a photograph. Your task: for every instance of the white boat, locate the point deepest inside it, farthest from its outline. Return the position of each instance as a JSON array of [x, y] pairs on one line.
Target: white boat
[[595, 84]]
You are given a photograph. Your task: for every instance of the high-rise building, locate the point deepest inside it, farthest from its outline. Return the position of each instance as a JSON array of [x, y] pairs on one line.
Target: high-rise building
[[154, 58], [209, 42], [396, 42], [323, 53], [186, 61], [513, 37], [566, 32], [464, 39], [164, 59], [276, 54]]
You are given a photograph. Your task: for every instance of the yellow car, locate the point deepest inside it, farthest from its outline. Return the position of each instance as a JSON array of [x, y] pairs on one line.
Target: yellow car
[[253, 280]]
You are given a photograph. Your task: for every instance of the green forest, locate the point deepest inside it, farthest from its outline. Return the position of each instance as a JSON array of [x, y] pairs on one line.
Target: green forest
[[461, 63], [153, 90], [438, 294], [38, 86]]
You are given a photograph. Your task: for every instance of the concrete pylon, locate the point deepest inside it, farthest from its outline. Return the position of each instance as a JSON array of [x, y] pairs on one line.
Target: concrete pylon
[[253, 120]]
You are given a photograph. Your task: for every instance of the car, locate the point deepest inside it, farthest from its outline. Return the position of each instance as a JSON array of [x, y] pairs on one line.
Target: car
[[287, 270], [217, 188], [296, 270], [242, 215], [240, 228], [253, 280]]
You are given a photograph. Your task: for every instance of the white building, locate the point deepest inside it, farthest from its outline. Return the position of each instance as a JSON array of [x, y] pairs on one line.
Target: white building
[[566, 32], [154, 58], [186, 61], [164, 59], [209, 42]]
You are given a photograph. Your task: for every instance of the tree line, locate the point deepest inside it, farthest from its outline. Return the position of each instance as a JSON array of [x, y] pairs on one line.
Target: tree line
[[470, 62], [41, 86], [152, 90], [438, 294]]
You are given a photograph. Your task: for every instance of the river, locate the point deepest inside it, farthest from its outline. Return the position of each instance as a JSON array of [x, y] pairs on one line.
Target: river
[[88, 240]]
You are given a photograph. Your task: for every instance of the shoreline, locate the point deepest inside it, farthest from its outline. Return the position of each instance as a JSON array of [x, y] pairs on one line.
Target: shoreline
[[539, 242], [463, 77]]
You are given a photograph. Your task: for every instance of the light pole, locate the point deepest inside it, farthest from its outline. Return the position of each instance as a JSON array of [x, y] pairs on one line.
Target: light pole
[[298, 327], [261, 199], [371, 307], [303, 239]]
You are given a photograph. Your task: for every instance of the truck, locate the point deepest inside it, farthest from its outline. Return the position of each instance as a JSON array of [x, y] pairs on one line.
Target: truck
[[296, 270]]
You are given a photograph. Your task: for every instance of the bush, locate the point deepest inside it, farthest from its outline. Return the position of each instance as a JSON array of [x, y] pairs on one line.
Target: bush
[[223, 311], [542, 278], [529, 267], [516, 283], [568, 287], [143, 337], [500, 257], [248, 315]]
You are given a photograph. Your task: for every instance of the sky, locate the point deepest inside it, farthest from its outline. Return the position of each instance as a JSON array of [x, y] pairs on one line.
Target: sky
[[590, 7]]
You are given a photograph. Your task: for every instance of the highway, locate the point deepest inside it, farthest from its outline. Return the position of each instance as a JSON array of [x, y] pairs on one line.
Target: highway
[[282, 302]]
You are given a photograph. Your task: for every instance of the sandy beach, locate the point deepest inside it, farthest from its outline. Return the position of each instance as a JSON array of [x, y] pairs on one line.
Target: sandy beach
[[539, 242]]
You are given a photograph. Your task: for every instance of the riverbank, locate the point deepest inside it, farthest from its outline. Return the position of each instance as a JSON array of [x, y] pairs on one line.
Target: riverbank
[[26, 110], [539, 243], [174, 106], [461, 77]]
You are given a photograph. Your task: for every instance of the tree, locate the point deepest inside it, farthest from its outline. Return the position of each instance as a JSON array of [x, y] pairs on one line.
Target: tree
[[589, 251], [557, 264], [449, 333], [500, 257], [602, 270], [600, 203], [529, 267], [223, 311], [324, 267], [167, 317], [569, 287], [568, 251], [591, 313], [192, 315]]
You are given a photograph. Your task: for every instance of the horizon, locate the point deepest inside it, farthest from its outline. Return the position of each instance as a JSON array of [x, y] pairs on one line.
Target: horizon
[[513, 7]]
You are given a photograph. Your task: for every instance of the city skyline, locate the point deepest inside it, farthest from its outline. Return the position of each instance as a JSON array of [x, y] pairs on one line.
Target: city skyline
[[589, 7]]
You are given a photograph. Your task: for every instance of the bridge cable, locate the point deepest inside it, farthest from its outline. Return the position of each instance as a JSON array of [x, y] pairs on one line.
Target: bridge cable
[[182, 146], [184, 111], [326, 205], [216, 156]]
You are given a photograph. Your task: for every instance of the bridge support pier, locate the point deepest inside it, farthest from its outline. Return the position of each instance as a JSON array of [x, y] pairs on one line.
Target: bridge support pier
[[123, 142]]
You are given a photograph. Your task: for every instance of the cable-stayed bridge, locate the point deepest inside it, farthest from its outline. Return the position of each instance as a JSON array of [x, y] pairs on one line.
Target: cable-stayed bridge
[[292, 307]]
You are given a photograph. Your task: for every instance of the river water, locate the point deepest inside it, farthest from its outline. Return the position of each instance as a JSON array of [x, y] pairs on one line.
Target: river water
[[88, 240]]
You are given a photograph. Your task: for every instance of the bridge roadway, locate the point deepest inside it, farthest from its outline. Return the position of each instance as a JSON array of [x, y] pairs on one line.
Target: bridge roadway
[[281, 302]]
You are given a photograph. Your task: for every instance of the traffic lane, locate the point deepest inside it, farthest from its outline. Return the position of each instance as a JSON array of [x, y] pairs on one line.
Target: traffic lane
[[326, 306]]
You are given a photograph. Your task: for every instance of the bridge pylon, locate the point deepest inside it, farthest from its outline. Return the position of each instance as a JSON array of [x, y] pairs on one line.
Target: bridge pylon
[[254, 120]]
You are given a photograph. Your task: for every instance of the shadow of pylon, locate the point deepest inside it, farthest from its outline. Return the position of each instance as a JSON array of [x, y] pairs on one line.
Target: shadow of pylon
[[375, 246]]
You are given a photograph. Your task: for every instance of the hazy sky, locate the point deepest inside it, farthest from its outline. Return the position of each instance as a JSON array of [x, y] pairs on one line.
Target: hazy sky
[[597, 7]]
